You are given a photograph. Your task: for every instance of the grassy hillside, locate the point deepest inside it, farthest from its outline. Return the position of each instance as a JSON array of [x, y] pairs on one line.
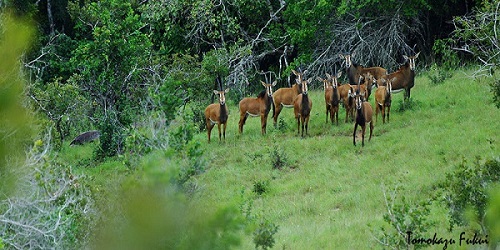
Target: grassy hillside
[[327, 193], [332, 191]]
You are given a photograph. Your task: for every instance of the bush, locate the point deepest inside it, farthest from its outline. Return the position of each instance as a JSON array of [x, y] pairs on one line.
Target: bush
[[438, 75], [111, 138], [403, 216], [53, 208], [263, 236], [410, 104], [466, 189], [260, 187]]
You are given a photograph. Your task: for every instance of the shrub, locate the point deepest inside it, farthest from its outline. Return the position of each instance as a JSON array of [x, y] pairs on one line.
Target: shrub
[[260, 187], [410, 104], [282, 125], [403, 216], [438, 75], [52, 208], [466, 189], [263, 236]]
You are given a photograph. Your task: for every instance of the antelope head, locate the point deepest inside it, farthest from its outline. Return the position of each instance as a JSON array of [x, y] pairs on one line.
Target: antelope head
[[303, 85], [269, 88], [347, 58], [359, 99], [411, 60], [325, 82], [222, 97], [334, 79], [369, 79]]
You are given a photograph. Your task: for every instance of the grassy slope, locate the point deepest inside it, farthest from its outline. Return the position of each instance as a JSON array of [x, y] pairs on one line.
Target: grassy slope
[[334, 190]]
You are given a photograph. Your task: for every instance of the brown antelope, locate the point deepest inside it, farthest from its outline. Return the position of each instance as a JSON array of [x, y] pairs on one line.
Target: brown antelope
[[383, 99], [370, 80], [364, 113], [259, 106], [361, 87], [217, 113], [346, 93], [332, 97], [302, 107], [405, 77], [354, 71], [284, 97]]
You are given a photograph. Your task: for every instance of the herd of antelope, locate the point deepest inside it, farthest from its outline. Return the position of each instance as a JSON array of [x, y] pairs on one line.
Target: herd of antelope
[[353, 96]]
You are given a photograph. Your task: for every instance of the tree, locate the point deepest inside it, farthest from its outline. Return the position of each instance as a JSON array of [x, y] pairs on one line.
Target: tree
[[110, 62], [478, 34]]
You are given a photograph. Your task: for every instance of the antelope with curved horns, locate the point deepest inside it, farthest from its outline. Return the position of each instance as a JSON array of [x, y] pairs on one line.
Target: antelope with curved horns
[[259, 106], [302, 107], [364, 113], [383, 99], [284, 97], [332, 96], [354, 71], [405, 76], [217, 113], [361, 87]]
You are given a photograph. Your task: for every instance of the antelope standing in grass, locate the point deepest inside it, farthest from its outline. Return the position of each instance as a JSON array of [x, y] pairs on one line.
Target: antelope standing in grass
[[364, 113], [259, 106], [346, 93], [355, 71], [370, 80], [284, 97], [383, 99], [302, 108], [361, 87], [217, 113], [332, 97], [405, 77]]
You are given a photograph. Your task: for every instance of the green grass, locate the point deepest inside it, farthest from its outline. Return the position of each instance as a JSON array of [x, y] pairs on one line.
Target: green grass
[[333, 190], [329, 195]]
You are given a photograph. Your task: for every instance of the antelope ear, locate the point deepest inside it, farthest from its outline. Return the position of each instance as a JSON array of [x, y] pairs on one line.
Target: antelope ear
[[417, 55], [305, 72], [320, 79], [341, 56], [328, 75], [263, 83], [274, 83], [353, 54], [216, 92], [393, 79], [227, 90], [295, 72], [309, 80], [405, 57], [339, 74], [383, 80]]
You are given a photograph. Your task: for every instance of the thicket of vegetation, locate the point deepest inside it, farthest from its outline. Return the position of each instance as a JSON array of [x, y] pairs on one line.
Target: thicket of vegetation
[[142, 72]]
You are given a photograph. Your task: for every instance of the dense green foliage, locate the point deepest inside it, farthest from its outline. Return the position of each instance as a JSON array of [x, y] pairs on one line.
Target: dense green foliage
[[468, 187], [15, 120]]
